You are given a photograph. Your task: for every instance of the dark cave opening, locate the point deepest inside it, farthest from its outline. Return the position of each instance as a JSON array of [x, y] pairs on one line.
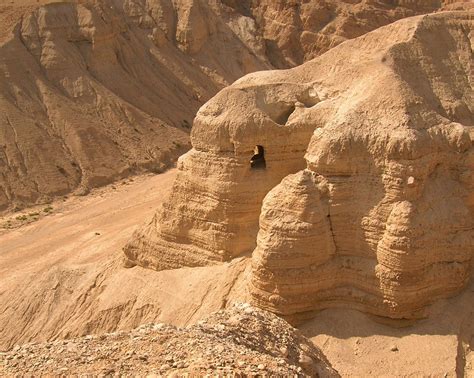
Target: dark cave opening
[[258, 159]]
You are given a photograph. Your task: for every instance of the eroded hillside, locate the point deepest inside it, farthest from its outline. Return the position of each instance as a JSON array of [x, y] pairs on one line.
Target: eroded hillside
[[94, 90], [376, 213], [60, 280]]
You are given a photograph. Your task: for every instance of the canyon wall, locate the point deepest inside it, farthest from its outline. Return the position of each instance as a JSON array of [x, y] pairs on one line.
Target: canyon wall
[[376, 213], [95, 90]]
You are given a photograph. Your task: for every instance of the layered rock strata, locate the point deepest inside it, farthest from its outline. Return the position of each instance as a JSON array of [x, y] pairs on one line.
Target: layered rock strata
[[95, 90], [381, 218], [212, 212]]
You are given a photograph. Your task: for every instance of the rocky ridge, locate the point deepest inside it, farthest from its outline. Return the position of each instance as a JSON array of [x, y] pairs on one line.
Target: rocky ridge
[[95, 90], [240, 341], [382, 218], [378, 199]]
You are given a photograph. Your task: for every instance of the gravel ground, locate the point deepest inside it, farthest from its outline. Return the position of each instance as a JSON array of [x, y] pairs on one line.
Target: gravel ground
[[242, 341]]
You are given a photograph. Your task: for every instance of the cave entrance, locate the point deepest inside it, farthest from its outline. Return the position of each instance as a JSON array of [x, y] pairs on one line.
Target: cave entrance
[[258, 159]]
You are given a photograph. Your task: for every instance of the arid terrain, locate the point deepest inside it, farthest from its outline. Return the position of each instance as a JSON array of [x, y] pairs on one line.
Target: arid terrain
[[62, 280], [242, 340], [319, 220], [96, 90]]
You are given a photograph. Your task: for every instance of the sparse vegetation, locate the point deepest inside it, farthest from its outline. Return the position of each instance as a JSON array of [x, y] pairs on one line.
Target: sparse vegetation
[[186, 124], [48, 209]]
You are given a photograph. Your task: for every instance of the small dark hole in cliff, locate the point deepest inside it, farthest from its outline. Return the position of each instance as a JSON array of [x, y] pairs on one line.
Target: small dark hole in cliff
[[258, 159]]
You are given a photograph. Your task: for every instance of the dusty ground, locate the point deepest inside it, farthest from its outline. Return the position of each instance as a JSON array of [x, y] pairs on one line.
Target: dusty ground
[[241, 341], [358, 345], [61, 277]]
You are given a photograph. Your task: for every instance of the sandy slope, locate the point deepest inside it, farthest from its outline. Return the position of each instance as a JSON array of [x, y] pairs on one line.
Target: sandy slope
[[61, 276], [60, 279], [358, 345]]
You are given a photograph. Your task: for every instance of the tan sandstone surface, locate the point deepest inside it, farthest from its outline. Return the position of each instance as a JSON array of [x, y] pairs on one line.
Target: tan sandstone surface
[[61, 275], [60, 279], [95, 90], [364, 200], [376, 214]]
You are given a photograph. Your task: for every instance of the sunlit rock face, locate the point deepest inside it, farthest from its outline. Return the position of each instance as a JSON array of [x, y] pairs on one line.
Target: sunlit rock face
[[365, 197], [212, 212], [381, 219], [96, 90]]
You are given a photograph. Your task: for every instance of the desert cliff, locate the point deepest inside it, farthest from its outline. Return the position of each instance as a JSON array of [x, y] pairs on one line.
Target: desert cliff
[[374, 155], [61, 280], [331, 189], [92, 91]]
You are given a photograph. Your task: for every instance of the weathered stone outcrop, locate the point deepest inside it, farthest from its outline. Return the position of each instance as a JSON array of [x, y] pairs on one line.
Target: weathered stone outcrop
[[240, 341], [212, 212], [95, 90], [381, 219]]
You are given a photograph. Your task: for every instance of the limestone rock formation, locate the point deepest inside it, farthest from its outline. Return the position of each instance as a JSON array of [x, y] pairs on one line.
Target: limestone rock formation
[[376, 214], [382, 217], [94, 90], [212, 212]]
